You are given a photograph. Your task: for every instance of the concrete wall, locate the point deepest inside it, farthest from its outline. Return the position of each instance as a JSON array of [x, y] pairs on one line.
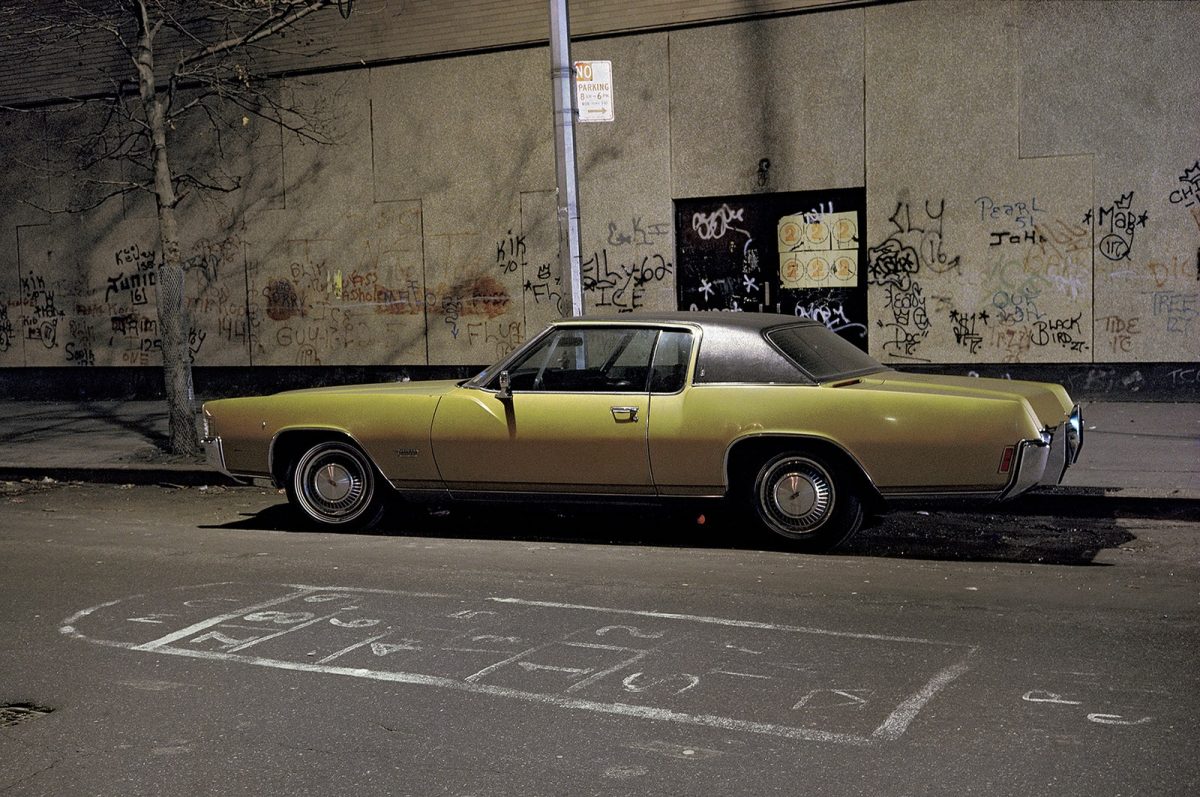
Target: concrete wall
[[1031, 173]]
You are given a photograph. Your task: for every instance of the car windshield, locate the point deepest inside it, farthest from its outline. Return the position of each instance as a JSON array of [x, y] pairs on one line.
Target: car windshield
[[823, 354]]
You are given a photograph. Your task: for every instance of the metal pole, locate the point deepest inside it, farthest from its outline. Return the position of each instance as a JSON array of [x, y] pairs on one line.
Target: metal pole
[[562, 76]]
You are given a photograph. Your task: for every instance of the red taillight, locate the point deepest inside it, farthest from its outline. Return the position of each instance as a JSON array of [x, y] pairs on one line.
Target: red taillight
[[1006, 459]]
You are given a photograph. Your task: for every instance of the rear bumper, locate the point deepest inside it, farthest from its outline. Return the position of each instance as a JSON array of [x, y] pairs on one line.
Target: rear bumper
[[1044, 462]]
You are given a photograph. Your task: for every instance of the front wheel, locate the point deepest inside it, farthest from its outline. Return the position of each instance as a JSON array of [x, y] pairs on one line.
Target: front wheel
[[333, 484], [803, 499]]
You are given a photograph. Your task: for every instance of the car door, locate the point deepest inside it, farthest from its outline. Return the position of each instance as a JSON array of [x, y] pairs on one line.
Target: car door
[[686, 456], [575, 422]]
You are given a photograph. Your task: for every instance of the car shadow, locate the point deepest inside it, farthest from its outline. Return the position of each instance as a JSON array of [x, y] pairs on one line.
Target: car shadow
[[979, 536], [1053, 527], [601, 526], [1038, 529]]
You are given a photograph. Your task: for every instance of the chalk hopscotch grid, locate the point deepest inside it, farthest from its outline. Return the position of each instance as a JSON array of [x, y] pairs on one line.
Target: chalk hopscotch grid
[[891, 729]]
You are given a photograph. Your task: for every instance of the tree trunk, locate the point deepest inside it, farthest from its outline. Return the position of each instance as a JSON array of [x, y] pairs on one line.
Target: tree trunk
[[172, 309]]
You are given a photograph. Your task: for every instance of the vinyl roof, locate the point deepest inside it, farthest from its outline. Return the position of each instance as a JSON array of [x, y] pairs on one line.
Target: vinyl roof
[[709, 320]]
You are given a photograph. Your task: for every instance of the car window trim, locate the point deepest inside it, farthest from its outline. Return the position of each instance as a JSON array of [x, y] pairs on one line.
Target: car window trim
[[493, 371]]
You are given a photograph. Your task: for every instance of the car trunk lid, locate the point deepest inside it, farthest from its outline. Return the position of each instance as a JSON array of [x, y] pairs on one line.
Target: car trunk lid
[[1049, 402]]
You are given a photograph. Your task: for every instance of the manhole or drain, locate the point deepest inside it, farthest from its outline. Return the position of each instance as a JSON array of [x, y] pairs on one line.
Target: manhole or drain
[[12, 713]]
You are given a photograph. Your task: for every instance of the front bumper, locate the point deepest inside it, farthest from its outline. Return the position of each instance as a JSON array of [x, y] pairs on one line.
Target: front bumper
[[1044, 462], [214, 453]]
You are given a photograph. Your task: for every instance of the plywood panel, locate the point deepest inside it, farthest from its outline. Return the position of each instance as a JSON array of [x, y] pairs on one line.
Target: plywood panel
[[625, 178], [976, 255], [470, 137], [788, 91], [1031, 173], [1121, 81]]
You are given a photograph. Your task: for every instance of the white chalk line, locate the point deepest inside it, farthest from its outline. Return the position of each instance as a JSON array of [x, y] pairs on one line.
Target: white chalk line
[[516, 657], [68, 626], [898, 721], [891, 729], [370, 591], [619, 709], [602, 674], [284, 632], [648, 613], [355, 646], [728, 622], [220, 618]]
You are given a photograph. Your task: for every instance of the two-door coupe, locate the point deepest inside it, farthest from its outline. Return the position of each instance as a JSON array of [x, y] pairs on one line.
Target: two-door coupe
[[779, 415]]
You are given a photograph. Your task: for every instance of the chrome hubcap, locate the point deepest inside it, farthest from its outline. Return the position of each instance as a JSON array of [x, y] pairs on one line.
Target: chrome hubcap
[[333, 483], [795, 496]]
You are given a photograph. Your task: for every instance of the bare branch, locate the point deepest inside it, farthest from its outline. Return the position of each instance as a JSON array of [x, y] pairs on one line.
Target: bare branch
[[208, 185], [280, 21], [122, 190]]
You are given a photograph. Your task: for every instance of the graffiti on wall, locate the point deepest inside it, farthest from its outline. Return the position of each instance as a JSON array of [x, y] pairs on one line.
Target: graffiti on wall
[[1178, 309], [1119, 332], [731, 256], [915, 242], [1032, 272], [545, 288], [724, 270], [619, 283], [103, 315], [6, 325], [1062, 256], [42, 313], [830, 309], [969, 329], [1115, 225], [1017, 214], [637, 232], [1188, 194], [316, 308]]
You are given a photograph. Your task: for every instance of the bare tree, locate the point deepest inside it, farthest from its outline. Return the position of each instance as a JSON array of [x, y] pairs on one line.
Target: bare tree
[[167, 67]]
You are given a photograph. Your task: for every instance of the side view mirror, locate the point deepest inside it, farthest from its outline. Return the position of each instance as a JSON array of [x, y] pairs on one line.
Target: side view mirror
[[504, 393]]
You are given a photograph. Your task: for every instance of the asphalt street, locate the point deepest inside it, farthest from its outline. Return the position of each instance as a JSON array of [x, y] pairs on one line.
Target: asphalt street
[[192, 641]]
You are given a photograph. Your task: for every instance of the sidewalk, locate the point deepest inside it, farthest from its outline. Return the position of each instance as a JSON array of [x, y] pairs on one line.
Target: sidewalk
[[1131, 450]]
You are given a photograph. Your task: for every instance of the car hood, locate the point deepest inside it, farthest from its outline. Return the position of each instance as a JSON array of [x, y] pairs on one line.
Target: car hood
[[1049, 402], [430, 388]]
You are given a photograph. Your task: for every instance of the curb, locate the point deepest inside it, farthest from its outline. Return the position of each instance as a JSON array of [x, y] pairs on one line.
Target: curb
[[178, 475], [1083, 502]]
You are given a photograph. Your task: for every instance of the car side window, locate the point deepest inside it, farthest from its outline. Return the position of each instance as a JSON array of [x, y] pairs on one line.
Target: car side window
[[671, 361], [600, 360]]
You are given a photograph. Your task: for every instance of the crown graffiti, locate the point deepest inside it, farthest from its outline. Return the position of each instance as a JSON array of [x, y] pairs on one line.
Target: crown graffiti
[[1192, 174], [1124, 202]]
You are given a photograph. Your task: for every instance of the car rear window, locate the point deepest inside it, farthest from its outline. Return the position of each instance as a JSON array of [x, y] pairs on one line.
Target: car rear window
[[823, 354]]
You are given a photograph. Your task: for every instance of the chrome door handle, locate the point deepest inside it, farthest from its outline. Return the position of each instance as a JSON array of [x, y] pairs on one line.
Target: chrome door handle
[[625, 414]]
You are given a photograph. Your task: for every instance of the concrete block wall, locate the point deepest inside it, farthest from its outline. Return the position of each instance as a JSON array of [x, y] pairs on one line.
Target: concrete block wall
[[1031, 174]]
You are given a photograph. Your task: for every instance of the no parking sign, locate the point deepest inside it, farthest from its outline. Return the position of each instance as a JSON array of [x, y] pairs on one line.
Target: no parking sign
[[594, 90]]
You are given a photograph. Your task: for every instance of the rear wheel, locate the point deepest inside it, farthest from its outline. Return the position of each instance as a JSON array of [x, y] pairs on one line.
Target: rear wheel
[[804, 500], [334, 485]]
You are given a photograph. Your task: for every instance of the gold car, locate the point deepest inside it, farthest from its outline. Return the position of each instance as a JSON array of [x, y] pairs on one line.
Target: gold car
[[776, 414]]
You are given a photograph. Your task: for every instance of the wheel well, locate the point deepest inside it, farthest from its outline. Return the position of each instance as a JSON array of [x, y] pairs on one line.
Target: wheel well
[[745, 457], [292, 443]]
